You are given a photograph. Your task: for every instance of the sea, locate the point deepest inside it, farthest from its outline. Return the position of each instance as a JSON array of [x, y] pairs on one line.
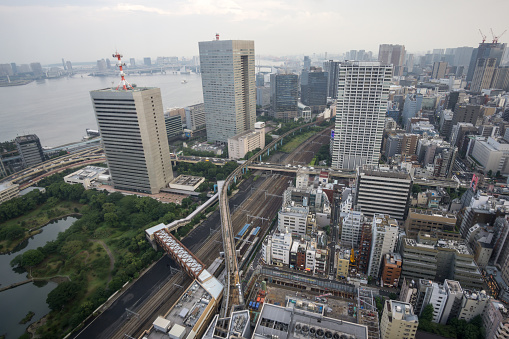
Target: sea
[[60, 110]]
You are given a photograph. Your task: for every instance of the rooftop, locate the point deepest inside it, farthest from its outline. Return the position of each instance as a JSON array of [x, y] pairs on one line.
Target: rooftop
[[120, 89], [245, 134], [292, 323], [401, 311], [186, 180], [433, 212], [26, 138], [454, 286], [6, 184]]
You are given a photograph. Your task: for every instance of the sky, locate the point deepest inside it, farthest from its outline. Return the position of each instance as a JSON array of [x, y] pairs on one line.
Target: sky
[[87, 30]]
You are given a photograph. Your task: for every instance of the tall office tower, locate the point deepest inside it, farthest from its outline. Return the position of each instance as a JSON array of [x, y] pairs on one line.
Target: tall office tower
[[284, 93], [14, 68], [314, 89], [36, 69], [132, 62], [260, 79], [410, 59], [392, 55], [307, 63], [132, 127], [363, 91], [485, 50], [63, 64], [108, 63], [483, 74], [229, 91], [69, 66], [30, 149], [101, 65], [147, 61], [439, 68], [384, 238], [462, 56], [332, 68], [385, 191], [501, 78]]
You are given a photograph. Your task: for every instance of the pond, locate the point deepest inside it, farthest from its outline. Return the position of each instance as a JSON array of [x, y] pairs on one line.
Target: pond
[[17, 302]]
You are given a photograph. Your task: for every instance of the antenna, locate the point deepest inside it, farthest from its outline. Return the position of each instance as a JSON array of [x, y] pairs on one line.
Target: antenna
[[123, 82], [217, 36], [495, 38], [483, 36]]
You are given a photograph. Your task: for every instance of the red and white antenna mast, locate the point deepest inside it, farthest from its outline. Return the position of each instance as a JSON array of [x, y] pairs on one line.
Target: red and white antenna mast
[[123, 82]]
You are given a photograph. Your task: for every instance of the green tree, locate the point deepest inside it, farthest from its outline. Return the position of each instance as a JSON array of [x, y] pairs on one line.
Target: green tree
[[427, 313], [416, 188], [393, 296], [490, 173], [63, 293]]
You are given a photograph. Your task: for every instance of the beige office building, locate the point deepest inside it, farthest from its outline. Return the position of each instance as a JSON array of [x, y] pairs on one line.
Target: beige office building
[[398, 321], [245, 142], [131, 123], [229, 89]]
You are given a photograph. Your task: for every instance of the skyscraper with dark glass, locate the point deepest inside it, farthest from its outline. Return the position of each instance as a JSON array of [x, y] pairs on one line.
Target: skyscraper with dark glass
[[284, 92], [314, 89]]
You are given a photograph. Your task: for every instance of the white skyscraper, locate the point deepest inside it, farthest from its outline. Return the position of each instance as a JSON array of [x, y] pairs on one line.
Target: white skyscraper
[[229, 88], [363, 90]]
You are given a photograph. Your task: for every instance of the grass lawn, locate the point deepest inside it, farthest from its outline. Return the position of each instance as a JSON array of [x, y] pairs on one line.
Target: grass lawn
[[35, 219], [295, 142]]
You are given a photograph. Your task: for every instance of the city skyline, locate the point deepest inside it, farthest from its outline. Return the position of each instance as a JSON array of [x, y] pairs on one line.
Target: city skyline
[[91, 28]]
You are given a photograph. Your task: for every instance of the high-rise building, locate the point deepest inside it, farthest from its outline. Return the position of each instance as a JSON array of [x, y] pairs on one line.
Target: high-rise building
[[483, 74], [68, 65], [392, 55], [132, 62], [383, 191], [284, 93], [439, 69], [332, 69], [398, 321], [307, 63], [133, 131], [391, 270], [313, 86], [195, 117], [363, 91], [147, 61], [501, 78], [485, 51], [260, 79], [173, 126], [37, 69], [384, 238], [229, 91], [351, 227], [413, 104], [101, 65], [466, 113], [30, 149]]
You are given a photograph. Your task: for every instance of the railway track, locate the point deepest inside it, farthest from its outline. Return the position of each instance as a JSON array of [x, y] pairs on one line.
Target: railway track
[[303, 154]]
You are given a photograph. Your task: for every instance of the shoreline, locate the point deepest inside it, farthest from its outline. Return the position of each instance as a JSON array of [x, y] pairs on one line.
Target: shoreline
[[36, 230]]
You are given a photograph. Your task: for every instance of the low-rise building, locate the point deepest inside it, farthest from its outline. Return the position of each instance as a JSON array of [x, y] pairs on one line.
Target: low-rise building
[[276, 249], [186, 182], [398, 321], [343, 263], [8, 190], [302, 318], [87, 176], [245, 142]]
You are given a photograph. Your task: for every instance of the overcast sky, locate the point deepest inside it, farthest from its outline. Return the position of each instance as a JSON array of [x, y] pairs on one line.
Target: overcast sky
[[48, 30]]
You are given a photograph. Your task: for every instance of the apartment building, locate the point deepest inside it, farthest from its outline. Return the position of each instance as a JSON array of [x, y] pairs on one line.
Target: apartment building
[[384, 238], [398, 321]]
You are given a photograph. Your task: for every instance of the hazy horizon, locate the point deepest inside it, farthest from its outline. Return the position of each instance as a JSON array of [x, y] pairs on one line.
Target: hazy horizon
[[93, 29]]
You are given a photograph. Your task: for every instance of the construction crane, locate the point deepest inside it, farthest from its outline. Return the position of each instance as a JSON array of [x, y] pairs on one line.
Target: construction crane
[[495, 38], [483, 36]]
